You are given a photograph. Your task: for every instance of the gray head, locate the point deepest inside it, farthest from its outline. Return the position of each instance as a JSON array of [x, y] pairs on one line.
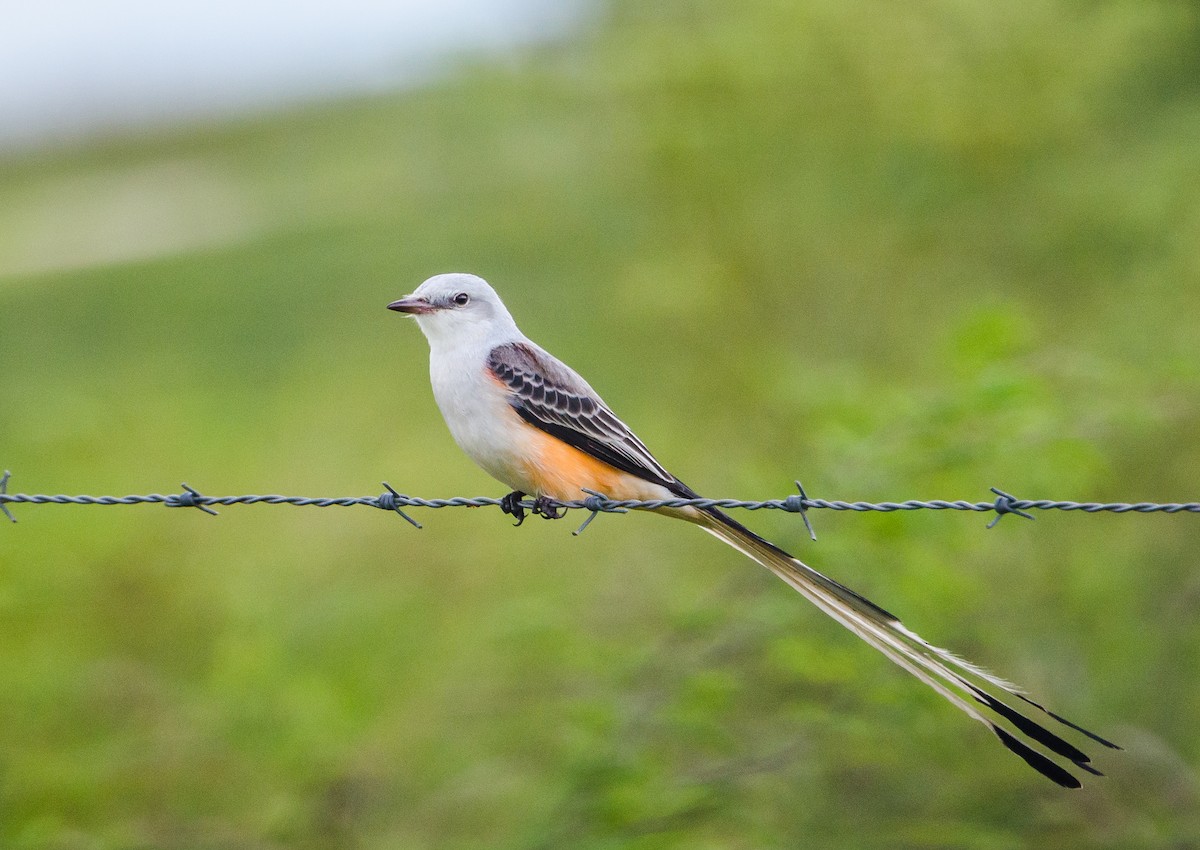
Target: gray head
[[458, 309]]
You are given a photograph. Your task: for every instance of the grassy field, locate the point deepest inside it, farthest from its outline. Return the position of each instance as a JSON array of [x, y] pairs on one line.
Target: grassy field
[[895, 251]]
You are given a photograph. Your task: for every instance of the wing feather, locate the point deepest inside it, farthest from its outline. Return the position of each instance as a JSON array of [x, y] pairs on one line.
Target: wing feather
[[549, 395]]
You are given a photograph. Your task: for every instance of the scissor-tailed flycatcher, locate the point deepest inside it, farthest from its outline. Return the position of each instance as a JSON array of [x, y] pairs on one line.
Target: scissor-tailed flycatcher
[[534, 424]]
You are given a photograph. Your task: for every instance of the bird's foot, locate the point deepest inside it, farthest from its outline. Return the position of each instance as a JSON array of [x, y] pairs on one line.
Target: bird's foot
[[511, 505], [548, 508]]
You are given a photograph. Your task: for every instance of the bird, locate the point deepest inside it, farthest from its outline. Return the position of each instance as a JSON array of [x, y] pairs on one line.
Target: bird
[[535, 425]]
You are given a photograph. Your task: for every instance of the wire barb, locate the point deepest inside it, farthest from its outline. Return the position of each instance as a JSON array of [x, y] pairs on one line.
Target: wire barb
[[4, 492], [190, 498], [1005, 504], [798, 503], [595, 502], [391, 500]]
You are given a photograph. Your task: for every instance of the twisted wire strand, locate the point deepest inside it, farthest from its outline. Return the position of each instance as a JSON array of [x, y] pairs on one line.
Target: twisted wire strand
[[596, 503]]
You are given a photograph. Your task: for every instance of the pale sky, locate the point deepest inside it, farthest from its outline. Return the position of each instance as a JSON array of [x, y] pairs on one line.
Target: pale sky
[[69, 66]]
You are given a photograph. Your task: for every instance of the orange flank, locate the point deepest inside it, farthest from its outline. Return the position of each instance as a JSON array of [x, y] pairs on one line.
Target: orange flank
[[561, 471]]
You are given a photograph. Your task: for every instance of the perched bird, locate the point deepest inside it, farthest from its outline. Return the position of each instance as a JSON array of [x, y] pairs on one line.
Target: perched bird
[[534, 424]]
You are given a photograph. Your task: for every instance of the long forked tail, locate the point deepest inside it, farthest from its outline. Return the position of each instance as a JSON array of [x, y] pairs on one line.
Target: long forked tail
[[970, 688]]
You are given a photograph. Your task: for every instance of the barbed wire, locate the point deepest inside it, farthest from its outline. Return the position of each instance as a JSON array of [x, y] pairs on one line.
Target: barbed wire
[[597, 503]]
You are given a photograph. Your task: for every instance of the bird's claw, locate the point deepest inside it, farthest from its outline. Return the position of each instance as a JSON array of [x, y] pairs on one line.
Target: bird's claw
[[543, 506], [511, 505], [547, 508]]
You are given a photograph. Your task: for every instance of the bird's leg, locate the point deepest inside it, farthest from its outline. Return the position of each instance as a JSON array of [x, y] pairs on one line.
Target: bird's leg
[[546, 506], [511, 505]]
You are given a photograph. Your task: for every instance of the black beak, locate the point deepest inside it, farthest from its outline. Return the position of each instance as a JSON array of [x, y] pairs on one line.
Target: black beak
[[412, 305]]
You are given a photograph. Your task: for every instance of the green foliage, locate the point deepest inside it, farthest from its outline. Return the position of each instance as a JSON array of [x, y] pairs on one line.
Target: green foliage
[[897, 250]]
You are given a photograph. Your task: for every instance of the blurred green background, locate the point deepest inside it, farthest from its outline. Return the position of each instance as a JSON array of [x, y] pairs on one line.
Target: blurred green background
[[895, 250]]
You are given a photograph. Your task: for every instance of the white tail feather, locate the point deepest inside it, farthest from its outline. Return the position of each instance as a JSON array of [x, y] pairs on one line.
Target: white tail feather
[[943, 671], [874, 633]]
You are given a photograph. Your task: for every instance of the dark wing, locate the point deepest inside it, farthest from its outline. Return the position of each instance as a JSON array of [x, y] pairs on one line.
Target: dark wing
[[547, 394]]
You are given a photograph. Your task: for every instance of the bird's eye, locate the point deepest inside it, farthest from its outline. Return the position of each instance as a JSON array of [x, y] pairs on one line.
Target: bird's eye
[[461, 299]]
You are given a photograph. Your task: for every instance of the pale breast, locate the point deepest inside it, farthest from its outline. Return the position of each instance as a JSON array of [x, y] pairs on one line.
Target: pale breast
[[481, 421]]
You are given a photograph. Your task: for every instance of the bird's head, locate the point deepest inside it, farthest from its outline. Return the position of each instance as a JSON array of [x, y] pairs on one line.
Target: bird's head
[[458, 309]]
